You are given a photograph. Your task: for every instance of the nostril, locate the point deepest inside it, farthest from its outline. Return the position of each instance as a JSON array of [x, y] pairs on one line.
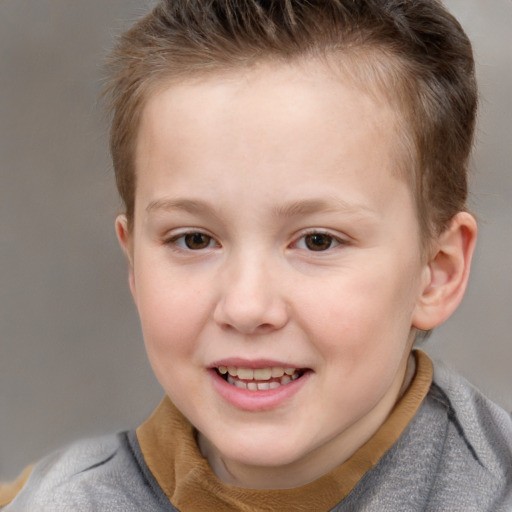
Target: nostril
[[263, 328]]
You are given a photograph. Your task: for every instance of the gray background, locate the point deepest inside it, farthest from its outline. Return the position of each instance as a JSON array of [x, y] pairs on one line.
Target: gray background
[[72, 361]]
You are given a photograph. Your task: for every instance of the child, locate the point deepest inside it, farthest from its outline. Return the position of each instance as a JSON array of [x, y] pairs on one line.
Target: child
[[294, 177]]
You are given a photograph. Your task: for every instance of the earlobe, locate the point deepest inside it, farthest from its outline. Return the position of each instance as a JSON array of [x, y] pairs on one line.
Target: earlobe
[[447, 272], [125, 238]]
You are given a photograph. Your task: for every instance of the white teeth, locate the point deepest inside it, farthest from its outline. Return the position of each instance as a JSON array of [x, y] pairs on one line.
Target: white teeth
[[277, 372], [259, 379], [237, 383], [246, 373], [262, 374], [285, 380]]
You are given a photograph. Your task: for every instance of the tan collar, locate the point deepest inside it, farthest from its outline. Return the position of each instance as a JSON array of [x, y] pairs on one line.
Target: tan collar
[[168, 444]]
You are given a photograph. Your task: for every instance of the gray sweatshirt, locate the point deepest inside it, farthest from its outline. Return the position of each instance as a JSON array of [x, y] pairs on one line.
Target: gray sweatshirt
[[454, 456]]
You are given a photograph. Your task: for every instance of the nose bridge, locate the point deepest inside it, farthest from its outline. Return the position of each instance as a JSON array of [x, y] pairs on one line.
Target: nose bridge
[[251, 299]]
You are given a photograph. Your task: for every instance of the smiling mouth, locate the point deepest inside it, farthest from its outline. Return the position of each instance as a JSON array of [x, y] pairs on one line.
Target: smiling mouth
[[259, 379]]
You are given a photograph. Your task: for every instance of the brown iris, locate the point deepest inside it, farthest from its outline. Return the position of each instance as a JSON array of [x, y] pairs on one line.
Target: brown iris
[[318, 241], [197, 241]]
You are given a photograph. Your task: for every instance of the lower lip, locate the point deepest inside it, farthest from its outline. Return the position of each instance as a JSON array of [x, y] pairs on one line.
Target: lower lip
[[257, 400]]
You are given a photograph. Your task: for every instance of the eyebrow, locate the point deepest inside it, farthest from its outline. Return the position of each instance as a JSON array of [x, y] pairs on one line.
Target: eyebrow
[[188, 205], [291, 209], [309, 206]]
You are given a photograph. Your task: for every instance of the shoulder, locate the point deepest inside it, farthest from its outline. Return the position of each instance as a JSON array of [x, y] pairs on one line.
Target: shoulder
[[94, 474], [455, 455], [479, 421], [476, 453]]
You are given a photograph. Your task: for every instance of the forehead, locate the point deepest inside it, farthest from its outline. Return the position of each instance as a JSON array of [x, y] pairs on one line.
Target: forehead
[[286, 96], [300, 121]]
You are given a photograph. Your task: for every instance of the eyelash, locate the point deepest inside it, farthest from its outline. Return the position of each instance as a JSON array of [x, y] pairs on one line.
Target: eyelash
[[175, 243], [179, 242], [334, 241]]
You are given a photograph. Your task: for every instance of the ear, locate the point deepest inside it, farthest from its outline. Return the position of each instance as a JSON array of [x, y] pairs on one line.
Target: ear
[[446, 273], [125, 237]]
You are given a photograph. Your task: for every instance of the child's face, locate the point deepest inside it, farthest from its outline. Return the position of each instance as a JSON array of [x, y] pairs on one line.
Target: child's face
[[271, 232]]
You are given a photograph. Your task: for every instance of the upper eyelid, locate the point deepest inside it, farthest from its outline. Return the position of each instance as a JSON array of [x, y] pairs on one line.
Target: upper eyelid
[[174, 234], [339, 240], [171, 238], [181, 232], [313, 231]]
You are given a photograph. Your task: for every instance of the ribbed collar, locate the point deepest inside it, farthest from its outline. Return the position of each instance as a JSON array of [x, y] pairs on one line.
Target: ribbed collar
[[168, 444]]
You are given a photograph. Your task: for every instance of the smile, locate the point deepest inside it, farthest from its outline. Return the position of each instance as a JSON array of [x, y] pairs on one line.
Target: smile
[[258, 379]]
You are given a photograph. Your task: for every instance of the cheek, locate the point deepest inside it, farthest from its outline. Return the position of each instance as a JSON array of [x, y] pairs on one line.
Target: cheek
[[360, 314], [172, 312], [171, 325]]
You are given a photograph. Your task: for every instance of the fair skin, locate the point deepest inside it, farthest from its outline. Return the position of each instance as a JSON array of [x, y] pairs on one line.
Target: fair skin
[[272, 233]]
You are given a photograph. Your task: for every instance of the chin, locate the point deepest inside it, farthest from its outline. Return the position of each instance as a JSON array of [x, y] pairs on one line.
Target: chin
[[263, 453]]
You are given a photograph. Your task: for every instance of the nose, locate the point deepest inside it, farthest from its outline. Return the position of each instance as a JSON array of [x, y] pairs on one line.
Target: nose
[[251, 299]]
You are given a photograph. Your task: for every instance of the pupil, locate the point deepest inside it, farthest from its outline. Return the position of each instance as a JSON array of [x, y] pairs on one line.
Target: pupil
[[197, 241], [318, 242]]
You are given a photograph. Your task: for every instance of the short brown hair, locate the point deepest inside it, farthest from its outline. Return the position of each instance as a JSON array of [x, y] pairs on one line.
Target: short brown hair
[[414, 49]]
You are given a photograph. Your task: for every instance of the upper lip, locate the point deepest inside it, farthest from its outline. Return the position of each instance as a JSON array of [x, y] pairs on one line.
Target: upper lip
[[252, 363]]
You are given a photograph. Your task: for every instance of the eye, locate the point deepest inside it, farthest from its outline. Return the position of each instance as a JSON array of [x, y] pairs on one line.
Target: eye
[[318, 242], [195, 241]]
